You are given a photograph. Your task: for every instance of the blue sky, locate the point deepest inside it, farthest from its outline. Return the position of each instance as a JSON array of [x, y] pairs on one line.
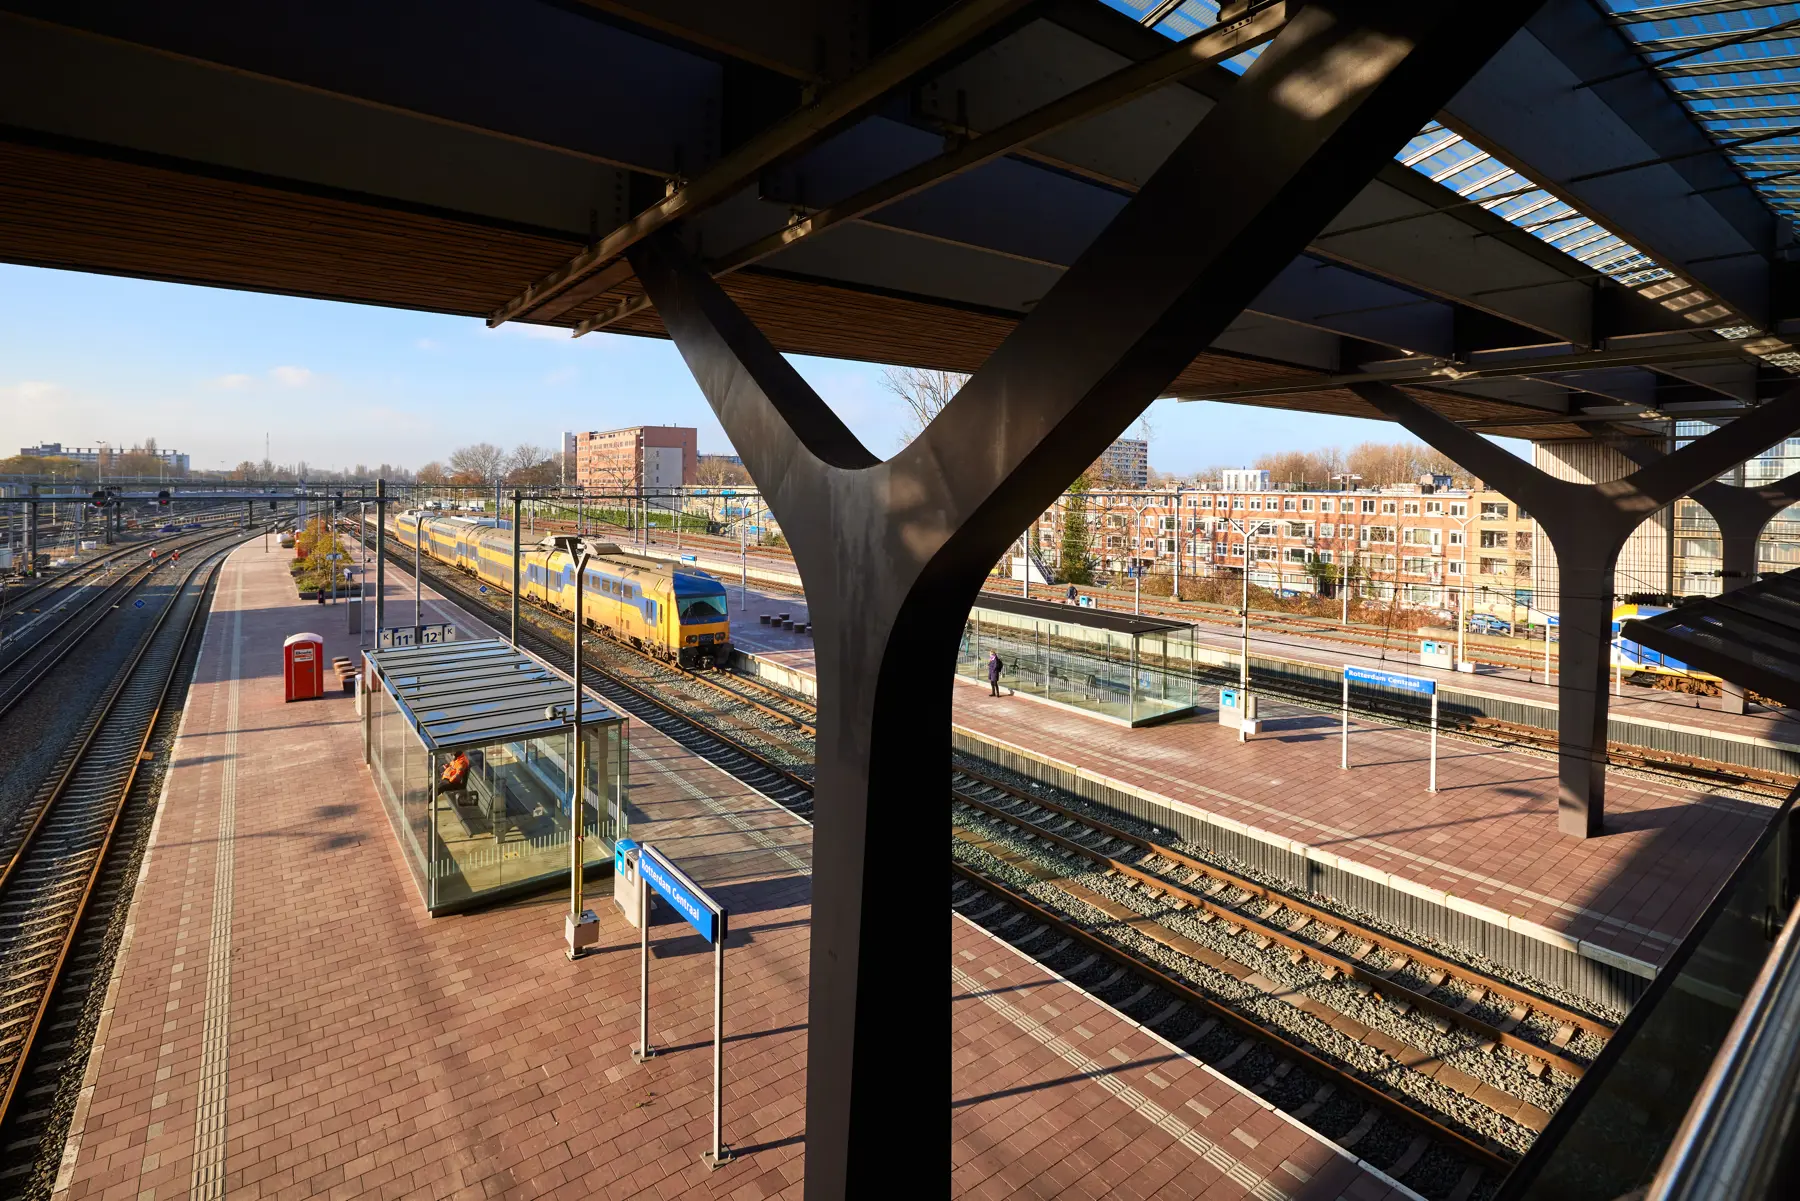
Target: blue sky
[[85, 358]]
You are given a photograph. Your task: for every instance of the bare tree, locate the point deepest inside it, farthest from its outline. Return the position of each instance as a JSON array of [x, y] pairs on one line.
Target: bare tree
[[924, 392], [479, 463], [718, 470], [433, 474], [525, 456]]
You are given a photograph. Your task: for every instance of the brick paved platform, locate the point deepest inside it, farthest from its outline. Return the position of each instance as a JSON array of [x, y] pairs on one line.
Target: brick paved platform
[[1486, 843], [285, 1021]]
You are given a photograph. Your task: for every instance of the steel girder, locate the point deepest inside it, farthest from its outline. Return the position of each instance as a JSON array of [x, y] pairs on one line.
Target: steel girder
[[894, 552]]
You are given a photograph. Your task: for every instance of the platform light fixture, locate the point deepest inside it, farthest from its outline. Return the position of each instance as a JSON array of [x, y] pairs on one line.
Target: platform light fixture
[[581, 928]]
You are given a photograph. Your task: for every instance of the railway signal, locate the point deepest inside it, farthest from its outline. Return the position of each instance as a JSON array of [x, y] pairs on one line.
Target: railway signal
[[162, 498]]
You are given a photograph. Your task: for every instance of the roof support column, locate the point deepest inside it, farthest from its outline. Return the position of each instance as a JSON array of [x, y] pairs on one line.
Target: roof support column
[[893, 553], [1588, 525]]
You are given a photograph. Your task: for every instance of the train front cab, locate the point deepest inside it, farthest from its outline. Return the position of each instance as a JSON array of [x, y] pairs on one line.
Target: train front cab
[[703, 620]]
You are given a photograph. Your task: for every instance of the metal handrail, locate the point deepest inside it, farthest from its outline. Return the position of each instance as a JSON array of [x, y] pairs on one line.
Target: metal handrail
[[1741, 1126]]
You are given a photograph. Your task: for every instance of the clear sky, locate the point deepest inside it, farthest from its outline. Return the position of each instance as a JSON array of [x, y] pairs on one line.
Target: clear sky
[[85, 358]]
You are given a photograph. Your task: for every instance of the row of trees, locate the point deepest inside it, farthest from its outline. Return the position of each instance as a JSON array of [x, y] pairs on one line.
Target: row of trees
[[1378, 463], [483, 463]]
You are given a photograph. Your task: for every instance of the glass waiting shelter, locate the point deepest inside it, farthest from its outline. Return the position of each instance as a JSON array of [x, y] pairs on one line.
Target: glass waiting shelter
[[471, 750], [1133, 670]]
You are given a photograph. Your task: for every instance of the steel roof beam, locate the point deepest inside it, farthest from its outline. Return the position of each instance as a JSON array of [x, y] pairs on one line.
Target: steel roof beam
[[1401, 227], [1691, 212], [949, 34], [1448, 374], [1695, 8]]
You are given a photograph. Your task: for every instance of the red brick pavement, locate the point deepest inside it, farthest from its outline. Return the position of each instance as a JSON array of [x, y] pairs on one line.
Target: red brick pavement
[[1487, 838], [364, 1049]]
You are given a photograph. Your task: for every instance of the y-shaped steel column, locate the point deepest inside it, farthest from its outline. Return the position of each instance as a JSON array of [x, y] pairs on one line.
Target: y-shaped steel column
[[1588, 525], [893, 553], [1741, 514]]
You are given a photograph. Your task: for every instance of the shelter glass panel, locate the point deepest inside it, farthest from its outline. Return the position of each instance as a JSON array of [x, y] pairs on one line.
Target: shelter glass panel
[[1140, 674]]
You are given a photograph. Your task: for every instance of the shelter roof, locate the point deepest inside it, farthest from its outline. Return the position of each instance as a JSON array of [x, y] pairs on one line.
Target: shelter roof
[[463, 694], [1076, 615]]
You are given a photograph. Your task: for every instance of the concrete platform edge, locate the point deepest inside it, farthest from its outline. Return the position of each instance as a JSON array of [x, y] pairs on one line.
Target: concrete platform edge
[[1594, 971], [1258, 1101]]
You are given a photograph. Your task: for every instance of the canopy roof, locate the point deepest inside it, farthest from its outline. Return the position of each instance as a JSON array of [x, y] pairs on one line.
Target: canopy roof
[[1577, 242], [466, 694]]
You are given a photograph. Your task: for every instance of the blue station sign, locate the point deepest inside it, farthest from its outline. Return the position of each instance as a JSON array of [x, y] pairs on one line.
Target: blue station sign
[[708, 918], [1390, 679]]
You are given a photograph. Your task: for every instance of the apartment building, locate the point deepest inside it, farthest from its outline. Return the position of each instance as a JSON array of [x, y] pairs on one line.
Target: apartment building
[[105, 457], [1126, 463], [1423, 542], [643, 458]]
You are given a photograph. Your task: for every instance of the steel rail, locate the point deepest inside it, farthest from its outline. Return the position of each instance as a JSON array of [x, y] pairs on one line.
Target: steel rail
[[1220, 1011], [1323, 956], [1385, 942], [84, 579], [16, 1070], [14, 690]]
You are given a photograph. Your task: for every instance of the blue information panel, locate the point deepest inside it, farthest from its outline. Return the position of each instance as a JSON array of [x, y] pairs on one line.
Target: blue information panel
[[704, 914], [1390, 679]]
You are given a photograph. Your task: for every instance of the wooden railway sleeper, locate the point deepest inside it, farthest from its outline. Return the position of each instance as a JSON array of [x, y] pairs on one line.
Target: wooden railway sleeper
[[1219, 879], [1349, 967]]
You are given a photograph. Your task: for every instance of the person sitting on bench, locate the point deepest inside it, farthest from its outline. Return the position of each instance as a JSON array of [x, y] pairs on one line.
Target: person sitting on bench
[[455, 771]]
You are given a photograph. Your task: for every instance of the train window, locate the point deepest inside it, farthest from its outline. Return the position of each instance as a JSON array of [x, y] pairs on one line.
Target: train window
[[702, 608]]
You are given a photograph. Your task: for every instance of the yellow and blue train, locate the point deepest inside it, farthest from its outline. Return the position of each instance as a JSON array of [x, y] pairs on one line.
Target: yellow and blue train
[[1648, 666], [675, 614]]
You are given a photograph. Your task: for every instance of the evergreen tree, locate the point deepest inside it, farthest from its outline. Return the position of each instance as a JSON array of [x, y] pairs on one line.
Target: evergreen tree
[[1077, 564]]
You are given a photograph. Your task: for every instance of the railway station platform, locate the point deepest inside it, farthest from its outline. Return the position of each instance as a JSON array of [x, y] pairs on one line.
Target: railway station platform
[[285, 1020], [1478, 864]]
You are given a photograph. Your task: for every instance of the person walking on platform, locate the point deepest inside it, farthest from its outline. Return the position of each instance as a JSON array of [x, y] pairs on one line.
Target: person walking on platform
[[995, 667], [1072, 594]]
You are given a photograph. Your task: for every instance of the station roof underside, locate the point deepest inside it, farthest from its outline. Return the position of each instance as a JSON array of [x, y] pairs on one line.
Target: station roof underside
[[488, 163]]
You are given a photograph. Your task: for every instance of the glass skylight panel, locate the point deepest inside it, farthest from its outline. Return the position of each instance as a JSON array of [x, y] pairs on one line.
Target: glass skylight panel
[[1736, 65]]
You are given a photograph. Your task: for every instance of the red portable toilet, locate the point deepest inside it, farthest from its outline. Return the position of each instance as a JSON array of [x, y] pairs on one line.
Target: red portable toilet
[[303, 667]]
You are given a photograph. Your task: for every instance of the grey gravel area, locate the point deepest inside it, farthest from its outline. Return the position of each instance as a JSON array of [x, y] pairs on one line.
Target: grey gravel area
[[1286, 1083], [1584, 1045], [1367, 1061]]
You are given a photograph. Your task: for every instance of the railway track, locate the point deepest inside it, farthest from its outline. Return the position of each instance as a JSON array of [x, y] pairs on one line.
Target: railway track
[[1358, 1115], [1449, 995], [34, 660], [54, 599], [1427, 1068], [60, 883]]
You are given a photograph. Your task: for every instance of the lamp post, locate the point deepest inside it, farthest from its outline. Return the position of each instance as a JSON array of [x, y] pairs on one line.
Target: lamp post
[[1345, 478], [418, 585], [581, 928]]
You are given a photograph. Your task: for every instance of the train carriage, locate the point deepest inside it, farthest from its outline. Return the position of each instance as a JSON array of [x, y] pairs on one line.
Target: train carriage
[[674, 613], [1644, 664]]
